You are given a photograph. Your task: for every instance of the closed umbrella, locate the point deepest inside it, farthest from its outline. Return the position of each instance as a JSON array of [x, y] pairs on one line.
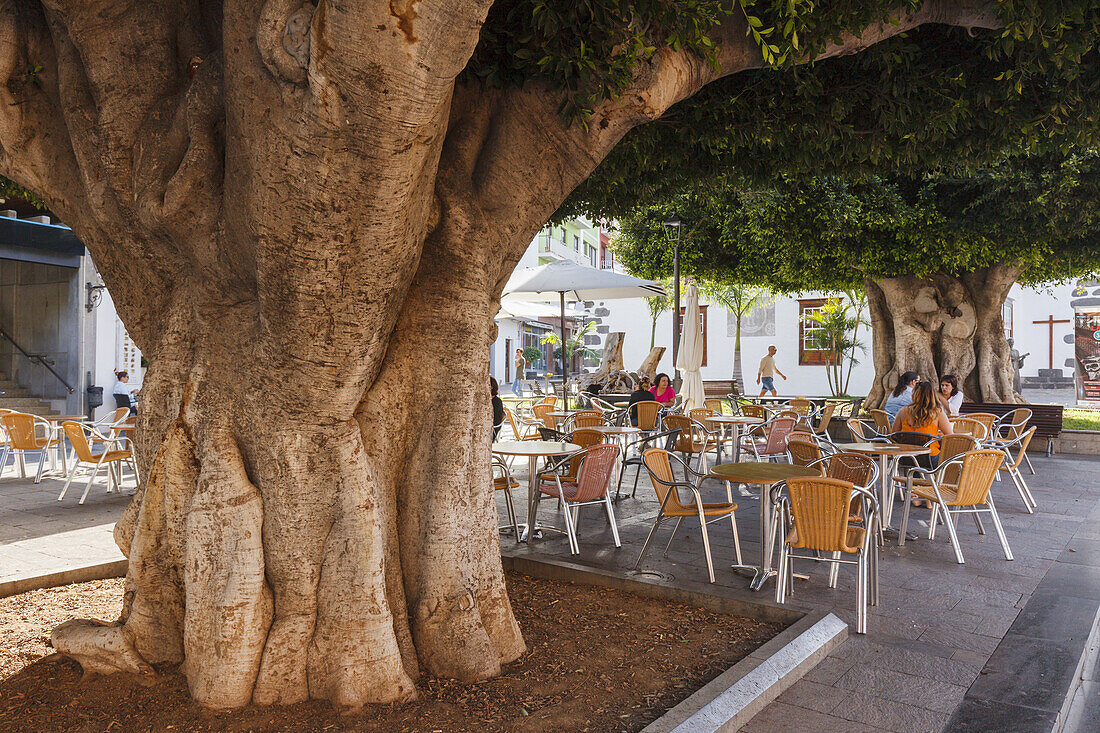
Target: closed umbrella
[[563, 280], [689, 360]]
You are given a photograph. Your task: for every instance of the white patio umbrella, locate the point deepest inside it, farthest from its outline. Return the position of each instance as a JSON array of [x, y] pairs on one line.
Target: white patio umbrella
[[689, 359], [564, 280]]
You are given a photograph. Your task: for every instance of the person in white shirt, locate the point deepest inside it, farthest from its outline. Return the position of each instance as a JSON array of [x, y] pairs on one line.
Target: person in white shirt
[[950, 396], [765, 375], [122, 387]]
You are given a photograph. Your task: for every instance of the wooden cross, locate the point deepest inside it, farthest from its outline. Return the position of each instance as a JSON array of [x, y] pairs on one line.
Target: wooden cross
[[1050, 323]]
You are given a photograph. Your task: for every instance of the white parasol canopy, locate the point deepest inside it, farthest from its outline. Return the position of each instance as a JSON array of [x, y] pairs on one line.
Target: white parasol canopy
[[564, 280], [578, 282], [689, 358]]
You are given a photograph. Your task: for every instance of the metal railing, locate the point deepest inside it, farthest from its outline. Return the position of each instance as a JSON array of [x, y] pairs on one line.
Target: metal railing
[[40, 358]]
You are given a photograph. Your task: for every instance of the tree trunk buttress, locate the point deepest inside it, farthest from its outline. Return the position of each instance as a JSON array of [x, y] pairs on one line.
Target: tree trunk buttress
[[943, 325], [264, 186]]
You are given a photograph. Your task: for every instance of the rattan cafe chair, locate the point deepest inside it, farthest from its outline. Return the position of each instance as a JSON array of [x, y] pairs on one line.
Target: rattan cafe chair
[[1013, 465], [966, 425], [882, 421], [592, 486], [694, 439], [658, 464], [29, 434], [813, 514], [79, 435], [968, 494]]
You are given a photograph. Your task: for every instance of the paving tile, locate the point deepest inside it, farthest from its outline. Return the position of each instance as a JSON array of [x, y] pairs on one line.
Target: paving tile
[[887, 714], [1031, 672], [1057, 617], [1081, 551], [780, 717], [985, 716], [969, 640], [901, 687], [1079, 580], [813, 695]]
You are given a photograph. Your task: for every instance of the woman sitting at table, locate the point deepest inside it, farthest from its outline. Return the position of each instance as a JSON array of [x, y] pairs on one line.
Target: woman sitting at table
[[902, 394], [498, 406], [924, 415], [949, 395], [663, 391]]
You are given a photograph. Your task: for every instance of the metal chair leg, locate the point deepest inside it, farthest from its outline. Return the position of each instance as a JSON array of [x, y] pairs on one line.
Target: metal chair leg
[[611, 518], [648, 539], [706, 543], [834, 569], [72, 472], [781, 578], [90, 480], [978, 523], [905, 515], [571, 531], [1025, 490], [954, 537], [999, 529], [41, 466], [1017, 480], [1027, 460], [674, 531]]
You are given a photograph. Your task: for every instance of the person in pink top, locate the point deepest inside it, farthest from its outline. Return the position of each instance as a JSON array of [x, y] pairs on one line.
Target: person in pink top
[[663, 391]]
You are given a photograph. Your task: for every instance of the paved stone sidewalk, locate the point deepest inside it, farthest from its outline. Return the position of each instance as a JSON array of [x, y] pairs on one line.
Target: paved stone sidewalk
[[64, 541], [938, 623]]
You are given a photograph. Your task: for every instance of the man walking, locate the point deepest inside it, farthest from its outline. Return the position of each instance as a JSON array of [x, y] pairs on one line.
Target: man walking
[[765, 375], [521, 372]]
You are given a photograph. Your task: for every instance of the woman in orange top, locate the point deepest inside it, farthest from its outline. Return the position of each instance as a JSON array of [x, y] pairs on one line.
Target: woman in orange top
[[924, 415]]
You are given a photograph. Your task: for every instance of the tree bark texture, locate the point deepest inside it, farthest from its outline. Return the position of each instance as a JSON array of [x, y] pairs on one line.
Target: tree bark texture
[[943, 325], [306, 223]]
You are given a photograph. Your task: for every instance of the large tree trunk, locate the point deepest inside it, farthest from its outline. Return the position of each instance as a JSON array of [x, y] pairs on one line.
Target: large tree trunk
[[306, 222], [943, 325]]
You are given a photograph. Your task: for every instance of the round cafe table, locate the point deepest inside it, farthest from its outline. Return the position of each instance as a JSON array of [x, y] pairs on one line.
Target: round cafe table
[[764, 475], [885, 452], [734, 424], [533, 450]]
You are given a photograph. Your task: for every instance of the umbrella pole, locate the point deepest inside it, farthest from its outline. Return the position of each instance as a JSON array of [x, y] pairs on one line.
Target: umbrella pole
[[564, 368]]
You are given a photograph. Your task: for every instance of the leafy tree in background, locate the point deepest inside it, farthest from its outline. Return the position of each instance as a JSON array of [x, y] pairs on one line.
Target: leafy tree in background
[[738, 299], [329, 197], [935, 254], [657, 305]]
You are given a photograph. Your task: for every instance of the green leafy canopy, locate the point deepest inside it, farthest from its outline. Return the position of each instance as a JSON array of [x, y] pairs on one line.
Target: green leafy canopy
[[830, 232], [934, 98]]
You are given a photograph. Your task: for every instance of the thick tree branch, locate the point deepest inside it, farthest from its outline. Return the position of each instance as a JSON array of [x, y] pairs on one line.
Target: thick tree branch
[[565, 154]]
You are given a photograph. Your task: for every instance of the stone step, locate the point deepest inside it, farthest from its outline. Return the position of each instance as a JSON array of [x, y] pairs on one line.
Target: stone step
[[28, 404]]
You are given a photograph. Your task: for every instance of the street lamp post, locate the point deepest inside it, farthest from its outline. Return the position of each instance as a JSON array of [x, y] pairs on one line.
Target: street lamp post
[[672, 232]]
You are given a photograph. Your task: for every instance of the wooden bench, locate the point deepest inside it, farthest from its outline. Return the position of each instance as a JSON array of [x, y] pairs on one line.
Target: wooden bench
[[1047, 419], [719, 387]]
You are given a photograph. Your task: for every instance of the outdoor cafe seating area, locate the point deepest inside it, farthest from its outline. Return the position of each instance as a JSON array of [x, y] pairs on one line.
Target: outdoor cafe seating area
[[69, 443], [832, 487]]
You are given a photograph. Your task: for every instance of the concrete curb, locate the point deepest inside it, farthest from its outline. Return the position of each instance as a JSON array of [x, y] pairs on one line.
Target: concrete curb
[[95, 571], [732, 698]]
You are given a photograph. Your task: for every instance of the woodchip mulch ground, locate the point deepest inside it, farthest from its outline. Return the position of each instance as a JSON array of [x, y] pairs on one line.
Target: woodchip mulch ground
[[597, 660]]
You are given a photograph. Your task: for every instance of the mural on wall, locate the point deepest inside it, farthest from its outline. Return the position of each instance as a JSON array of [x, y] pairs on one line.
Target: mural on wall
[[1087, 351], [757, 322]]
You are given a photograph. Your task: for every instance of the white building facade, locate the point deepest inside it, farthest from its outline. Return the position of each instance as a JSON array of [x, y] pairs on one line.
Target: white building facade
[[1040, 320]]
